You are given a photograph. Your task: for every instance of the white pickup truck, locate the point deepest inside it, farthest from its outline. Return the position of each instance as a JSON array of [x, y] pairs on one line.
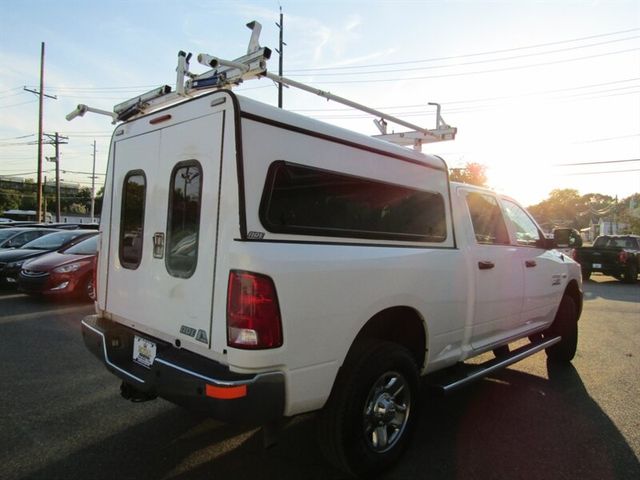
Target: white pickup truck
[[255, 265]]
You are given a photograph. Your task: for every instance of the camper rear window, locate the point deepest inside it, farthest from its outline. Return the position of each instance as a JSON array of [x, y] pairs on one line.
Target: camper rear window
[[185, 195], [132, 219], [309, 201]]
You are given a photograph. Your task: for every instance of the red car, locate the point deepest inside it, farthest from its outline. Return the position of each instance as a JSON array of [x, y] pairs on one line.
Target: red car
[[67, 272]]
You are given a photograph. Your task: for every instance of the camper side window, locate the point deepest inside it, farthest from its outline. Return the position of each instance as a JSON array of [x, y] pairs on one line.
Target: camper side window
[[132, 219], [185, 194], [309, 201]]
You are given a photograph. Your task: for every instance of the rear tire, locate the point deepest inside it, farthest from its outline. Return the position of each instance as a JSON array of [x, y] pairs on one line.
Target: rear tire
[[565, 325], [631, 274], [372, 409]]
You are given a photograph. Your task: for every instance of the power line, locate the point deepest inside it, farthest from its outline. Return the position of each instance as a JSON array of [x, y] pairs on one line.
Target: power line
[[608, 139], [597, 162], [514, 57], [474, 54], [477, 72], [18, 138], [18, 104], [598, 173]]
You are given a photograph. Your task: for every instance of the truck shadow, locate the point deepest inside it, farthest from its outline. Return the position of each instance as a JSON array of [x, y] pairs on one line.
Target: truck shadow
[[611, 289], [510, 426]]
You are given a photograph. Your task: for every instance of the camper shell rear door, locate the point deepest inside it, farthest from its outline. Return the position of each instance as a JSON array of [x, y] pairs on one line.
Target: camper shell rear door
[[162, 246]]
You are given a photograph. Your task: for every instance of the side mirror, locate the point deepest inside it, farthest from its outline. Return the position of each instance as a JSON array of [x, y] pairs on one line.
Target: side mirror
[[567, 238]]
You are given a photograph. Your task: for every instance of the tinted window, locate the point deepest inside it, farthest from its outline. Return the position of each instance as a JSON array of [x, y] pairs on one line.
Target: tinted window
[[486, 217], [84, 247], [527, 232], [132, 219], [185, 193], [53, 241], [309, 201]]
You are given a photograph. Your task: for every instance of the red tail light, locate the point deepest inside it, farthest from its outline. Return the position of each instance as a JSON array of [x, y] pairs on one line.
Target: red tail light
[[622, 256], [253, 313]]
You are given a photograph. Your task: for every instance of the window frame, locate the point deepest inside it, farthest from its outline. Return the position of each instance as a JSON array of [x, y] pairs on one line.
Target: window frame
[[185, 163], [511, 226], [498, 205], [344, 233], [126, 264]]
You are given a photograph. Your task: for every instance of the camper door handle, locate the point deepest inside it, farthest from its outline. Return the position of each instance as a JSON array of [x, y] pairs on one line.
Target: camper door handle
[[485, 265], [158, 245], [530, 263]]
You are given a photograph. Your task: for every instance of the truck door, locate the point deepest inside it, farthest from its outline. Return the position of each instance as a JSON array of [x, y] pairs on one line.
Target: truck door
[[545, 276], [498, 276], [162, 246]]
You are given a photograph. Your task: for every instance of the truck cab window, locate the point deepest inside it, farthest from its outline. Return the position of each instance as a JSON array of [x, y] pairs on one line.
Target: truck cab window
[[132, 219], [486, 216], [526, 231], [185, 194]]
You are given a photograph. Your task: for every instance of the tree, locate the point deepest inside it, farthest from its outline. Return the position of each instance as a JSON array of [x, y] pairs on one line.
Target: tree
[[630, 213], [472, 173], [9, 200], [561, 209]]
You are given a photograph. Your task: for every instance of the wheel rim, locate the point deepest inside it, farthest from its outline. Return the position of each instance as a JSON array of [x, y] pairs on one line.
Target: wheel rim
[[386, 412], [89, 290]]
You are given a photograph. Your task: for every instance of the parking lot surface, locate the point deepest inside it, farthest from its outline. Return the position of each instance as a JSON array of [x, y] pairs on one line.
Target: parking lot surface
[[61, 414]]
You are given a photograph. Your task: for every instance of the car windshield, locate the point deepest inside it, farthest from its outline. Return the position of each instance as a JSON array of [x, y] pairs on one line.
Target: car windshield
[[85, 247], [52, 241]]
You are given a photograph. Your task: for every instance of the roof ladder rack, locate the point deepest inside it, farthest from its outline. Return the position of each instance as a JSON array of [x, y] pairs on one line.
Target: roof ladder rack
[[253, 65]]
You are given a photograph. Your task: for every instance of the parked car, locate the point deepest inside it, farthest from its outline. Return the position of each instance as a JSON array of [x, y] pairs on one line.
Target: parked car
[[66, 226], [615, 255], [67, 272], [17, 237], [11, 260]]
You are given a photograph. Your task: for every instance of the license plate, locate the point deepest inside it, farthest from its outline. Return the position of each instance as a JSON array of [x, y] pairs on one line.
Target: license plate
[[597, 265], [144, 351]]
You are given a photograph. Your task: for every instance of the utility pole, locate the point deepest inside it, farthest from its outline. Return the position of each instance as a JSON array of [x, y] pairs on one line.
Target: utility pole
[[93, 182], [280, 52], [56, 140], [40, 95]]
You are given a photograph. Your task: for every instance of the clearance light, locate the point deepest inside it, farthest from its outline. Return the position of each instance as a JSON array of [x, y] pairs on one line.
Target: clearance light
[[253, 313], [226, 393]]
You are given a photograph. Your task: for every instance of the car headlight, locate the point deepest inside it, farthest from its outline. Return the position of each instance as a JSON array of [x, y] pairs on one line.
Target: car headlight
[[17, 264], [70, 267]]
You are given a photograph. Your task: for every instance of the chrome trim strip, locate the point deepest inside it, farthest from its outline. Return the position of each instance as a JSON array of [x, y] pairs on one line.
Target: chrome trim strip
[[216, 381], [504, 363], [106, 357]]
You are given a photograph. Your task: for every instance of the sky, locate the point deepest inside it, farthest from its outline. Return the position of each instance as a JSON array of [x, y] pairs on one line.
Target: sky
[[545, 93]]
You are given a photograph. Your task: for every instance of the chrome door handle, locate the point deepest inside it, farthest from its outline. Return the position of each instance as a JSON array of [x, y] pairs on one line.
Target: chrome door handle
[[158, 245]]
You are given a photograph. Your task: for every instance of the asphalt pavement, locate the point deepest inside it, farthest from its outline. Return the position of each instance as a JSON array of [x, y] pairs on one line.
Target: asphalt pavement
[[61, 415]]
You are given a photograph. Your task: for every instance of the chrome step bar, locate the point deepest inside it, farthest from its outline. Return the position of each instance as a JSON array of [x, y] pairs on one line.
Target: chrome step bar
[[476, 372]]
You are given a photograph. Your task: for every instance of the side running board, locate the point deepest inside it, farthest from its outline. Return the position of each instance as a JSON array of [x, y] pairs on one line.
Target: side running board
[[464, 374]]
